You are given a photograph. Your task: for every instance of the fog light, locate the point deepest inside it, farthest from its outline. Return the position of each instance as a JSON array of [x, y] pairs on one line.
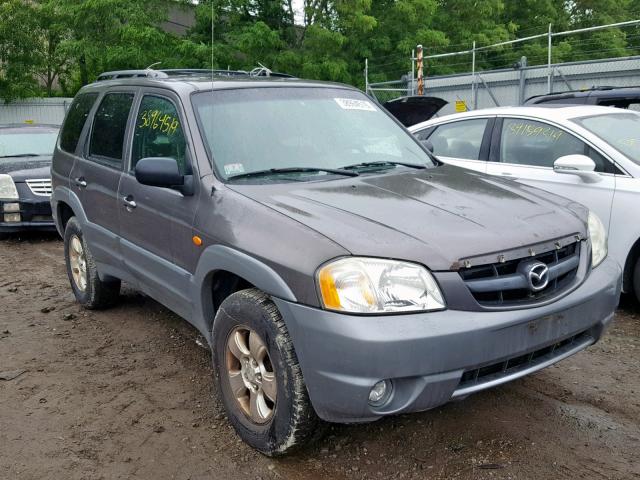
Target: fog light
[[380, 393], [11, 207], [11, 217]]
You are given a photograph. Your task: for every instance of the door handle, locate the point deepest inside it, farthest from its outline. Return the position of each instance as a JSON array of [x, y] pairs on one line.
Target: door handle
[[80, 182], [129, 203], [507, 174]]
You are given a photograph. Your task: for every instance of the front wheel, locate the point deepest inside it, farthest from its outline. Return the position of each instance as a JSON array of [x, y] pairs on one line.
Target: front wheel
[[258, 376], [89, 290]]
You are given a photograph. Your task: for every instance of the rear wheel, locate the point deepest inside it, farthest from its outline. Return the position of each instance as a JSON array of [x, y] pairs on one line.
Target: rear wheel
[[258, 376], [636, 280], [89, 290]]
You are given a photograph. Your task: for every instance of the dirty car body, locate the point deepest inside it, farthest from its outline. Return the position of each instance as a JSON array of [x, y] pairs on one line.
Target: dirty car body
[[25, 178], [509, 282]]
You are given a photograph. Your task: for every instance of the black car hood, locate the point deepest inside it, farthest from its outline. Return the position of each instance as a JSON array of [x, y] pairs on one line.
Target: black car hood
[[26, 167], [436, 217]]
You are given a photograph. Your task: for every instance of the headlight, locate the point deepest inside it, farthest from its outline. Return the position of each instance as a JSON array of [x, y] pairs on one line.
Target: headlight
[[8, 188], [372, 285], [598, 235]]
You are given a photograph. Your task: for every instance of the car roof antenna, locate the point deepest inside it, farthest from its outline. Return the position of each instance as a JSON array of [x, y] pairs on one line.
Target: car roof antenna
[[150, 67], [259, 71]]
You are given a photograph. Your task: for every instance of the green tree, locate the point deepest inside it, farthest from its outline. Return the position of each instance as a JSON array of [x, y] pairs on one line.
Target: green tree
[[17, 22]]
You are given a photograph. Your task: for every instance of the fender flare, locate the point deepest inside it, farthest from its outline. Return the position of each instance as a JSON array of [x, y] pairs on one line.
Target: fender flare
[[221, 258], [66, 195]]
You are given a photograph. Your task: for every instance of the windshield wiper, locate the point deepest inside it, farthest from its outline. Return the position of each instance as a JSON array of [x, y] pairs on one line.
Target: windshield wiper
[[383, 164], [272, 171], [22, 155]]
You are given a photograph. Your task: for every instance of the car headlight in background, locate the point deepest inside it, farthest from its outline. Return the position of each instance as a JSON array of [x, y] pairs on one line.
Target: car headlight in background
[[598, 235], [8, 189], [373, 285]]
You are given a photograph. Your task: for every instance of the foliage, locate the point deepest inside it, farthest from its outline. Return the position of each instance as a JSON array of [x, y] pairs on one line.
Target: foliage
[[56, 46]]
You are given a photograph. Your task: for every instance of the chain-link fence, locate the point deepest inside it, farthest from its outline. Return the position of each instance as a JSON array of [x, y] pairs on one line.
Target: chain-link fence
[[507, 73]]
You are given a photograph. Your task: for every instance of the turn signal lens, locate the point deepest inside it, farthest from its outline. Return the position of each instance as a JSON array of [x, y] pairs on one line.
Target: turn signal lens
[[11, 207]]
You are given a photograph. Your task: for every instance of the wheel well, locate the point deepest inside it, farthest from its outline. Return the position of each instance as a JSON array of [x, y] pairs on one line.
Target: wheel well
[[627, 278], [65, 212], [222, 284]]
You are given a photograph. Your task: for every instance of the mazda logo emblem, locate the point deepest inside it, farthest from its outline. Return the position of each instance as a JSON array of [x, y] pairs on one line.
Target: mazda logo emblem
[[537, 276]]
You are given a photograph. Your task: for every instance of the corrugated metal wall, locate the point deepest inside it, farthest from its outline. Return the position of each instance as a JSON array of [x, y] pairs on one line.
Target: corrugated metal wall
[[505, 84], [36, 110]]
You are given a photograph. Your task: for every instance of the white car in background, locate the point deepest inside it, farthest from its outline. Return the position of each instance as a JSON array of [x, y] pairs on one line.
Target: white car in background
[[589, 154]]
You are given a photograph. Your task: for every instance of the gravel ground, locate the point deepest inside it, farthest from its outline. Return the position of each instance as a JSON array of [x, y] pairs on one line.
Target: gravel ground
[[126, 393]]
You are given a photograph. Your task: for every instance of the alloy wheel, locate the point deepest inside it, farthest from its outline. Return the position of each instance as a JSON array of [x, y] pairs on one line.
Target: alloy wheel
[[78, 263], [251, 374]]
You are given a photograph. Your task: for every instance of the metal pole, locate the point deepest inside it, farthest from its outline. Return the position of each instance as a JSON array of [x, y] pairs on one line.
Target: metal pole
[[523, 79], [413, 72], [420, 72], [474, 99], [549, 72], [366, 76]]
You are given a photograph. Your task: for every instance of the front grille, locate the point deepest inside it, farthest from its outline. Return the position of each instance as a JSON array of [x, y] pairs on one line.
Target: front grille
[[504, 284], [512, 366], [40, 187]]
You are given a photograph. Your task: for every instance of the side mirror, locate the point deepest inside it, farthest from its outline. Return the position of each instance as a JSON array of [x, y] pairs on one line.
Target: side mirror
[[579, 165], [163, 172], [427, 144]]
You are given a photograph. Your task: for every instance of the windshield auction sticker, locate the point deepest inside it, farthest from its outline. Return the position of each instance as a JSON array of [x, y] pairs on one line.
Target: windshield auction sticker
[[355, 104], [233, 168]]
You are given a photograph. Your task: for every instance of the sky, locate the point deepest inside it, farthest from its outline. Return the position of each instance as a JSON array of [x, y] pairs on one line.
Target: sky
[[298, 5]]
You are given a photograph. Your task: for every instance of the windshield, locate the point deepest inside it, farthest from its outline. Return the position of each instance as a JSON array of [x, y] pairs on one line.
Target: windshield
[[258, 129], [27, 141], [620, 130]]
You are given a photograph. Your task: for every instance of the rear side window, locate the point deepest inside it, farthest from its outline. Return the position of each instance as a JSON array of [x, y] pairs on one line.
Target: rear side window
[[527, 142], [76, 118], [158, 133], [109, 127], [459, 139]]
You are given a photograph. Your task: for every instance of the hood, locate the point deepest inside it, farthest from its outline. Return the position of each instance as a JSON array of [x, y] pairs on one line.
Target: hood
[[412, 110], [28, 167], [435, 217]]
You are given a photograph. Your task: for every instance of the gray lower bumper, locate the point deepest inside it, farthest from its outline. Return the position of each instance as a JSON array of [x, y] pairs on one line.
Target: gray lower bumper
[[426, 355]]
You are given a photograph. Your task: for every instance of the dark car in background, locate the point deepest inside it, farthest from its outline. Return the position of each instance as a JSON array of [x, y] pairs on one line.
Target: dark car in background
[[25, 177], [619, 97]]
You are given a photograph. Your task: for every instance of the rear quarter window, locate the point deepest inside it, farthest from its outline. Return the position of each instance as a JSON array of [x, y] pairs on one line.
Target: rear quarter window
[[76, 118]]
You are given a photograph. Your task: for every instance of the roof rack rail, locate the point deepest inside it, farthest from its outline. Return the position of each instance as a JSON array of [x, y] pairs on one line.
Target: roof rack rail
[[131, 74], [260, 71]]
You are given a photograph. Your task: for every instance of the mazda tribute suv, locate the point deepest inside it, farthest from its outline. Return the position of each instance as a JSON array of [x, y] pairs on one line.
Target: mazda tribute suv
[[337, 270]]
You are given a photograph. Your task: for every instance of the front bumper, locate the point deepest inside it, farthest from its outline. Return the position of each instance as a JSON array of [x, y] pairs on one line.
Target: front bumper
[[434, 357], [35, 212]]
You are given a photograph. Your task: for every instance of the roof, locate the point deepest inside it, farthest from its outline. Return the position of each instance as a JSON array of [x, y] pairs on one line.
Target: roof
[[596, 91], [548, 112]]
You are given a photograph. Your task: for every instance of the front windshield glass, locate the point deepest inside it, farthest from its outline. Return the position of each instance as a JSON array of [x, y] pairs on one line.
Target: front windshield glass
[[257, 129], [27, 141], [620, 130]]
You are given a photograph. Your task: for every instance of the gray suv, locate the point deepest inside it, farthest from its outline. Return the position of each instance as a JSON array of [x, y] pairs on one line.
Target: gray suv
[[338, 271]]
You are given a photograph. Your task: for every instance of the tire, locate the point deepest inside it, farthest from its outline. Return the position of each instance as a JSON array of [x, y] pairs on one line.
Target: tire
[[292, 422], [636, 281], [92, 293]]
